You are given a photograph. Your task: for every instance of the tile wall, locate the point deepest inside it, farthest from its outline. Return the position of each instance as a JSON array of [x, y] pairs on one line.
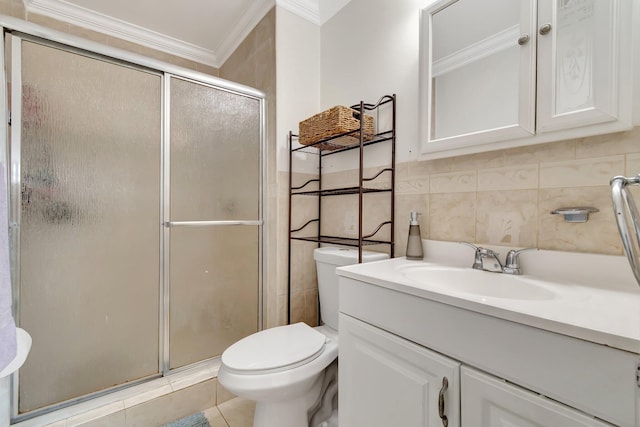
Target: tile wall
[[253, 63], [500, 197]]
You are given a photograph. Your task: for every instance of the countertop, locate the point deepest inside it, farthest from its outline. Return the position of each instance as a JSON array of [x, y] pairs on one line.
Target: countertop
[[596, 300]]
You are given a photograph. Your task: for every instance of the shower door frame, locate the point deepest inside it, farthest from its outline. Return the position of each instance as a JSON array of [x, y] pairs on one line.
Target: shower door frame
[[22, 30]]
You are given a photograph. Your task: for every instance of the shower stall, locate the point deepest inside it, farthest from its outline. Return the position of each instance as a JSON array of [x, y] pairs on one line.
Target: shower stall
[[136, 215]]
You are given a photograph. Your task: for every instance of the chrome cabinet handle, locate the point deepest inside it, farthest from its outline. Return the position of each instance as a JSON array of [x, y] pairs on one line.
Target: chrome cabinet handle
[[545, 29], [524, 39], [443, 417]]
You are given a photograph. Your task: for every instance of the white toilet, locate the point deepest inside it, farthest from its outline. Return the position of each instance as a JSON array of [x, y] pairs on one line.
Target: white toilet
[[282, 368]]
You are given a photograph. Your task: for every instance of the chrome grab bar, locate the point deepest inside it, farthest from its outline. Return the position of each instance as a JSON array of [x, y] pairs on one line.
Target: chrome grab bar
[[623, 203]]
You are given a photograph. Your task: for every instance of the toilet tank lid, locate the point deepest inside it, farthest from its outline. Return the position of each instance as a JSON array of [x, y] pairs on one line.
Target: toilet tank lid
[[345, 256], [274, 348]]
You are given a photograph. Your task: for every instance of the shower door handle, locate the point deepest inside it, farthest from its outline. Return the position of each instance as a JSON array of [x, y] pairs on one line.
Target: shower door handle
[[169, 224]]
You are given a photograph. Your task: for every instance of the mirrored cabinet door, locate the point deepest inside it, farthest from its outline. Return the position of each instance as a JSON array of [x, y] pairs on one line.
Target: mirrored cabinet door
[[479, 71], [577, 57]]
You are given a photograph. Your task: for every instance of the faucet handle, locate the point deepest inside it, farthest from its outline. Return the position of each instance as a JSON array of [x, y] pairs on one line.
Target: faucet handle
[[512, 262], [477, 248], [477, 261]]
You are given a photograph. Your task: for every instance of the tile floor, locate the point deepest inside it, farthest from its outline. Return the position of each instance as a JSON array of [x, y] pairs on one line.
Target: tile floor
[[237, 412]]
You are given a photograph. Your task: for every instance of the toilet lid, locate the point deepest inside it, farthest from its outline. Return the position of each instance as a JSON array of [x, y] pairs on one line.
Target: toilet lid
[[274, 348]]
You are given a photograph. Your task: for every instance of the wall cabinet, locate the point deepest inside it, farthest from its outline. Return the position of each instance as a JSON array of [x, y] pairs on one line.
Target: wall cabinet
[[528, 72]]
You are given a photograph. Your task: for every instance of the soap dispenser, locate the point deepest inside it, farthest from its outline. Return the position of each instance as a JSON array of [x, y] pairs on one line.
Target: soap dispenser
[[414, 242]]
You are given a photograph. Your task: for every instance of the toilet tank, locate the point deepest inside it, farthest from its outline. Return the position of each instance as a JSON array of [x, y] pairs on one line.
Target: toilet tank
[[327, 259]]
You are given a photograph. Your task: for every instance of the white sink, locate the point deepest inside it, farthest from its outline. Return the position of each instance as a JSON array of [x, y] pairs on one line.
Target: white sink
[[479, 283]]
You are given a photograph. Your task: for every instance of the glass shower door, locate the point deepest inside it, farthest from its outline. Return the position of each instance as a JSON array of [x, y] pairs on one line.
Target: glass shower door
[[86, 144], [215, 220]]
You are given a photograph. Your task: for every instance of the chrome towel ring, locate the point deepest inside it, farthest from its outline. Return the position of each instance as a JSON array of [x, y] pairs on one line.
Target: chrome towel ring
[[624, 208]]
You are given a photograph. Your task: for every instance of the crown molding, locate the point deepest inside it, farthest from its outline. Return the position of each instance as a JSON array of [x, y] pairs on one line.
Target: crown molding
[[241, 30], [82, 17], [307, 9], [312, 11]]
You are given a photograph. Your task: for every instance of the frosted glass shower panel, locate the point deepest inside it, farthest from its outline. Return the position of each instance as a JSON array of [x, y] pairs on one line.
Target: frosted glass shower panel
[[215, 154], [90, 224], [214, 290]]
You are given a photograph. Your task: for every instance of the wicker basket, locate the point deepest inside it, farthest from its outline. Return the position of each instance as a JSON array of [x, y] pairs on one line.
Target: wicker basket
[[335, 121]]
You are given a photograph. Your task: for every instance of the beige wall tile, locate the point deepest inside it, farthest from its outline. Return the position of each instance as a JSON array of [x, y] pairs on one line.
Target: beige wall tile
[[311, 307], [492, 159], [18, 10], [208, 69], [303, 269], [454, 182], [376, 211], [347, 178], [340, 216], [606, 145], [452, 216], [45, 21], [507, 218], [127, 45], [296, 307], [580, 173], [382, 180], [550, 152], [508, 178], [427, 167], [632, 167], [6, 8], [88, 34], [413, 185], [598, 235]]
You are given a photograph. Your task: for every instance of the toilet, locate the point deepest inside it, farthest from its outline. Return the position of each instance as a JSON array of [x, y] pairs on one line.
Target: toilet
[[282, 369]]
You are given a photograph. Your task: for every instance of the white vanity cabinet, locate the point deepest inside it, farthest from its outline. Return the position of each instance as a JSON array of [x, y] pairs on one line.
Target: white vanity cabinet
[[389, 381], [396, 347], [490, 402], [527, 72]]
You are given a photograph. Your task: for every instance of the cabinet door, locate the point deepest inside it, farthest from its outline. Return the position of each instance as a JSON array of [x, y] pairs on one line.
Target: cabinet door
[[478, 75], [578, 63], [490, 402], [389, 381]]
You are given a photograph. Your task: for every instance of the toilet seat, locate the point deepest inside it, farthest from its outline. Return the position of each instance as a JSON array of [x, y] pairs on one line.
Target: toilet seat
[[274, 350]]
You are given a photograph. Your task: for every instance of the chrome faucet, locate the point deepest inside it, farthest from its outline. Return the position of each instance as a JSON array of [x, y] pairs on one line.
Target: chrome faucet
[[512, 262]]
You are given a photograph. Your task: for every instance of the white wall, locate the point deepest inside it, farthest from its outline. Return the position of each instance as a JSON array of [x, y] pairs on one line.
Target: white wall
[[297, 81], [369, 49]]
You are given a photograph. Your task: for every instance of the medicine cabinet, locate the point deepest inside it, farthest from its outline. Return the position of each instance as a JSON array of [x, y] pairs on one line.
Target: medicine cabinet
[[503, 73]]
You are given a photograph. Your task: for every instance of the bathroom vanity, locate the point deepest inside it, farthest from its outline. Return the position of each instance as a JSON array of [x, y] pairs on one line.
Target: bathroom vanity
[[436, 343]]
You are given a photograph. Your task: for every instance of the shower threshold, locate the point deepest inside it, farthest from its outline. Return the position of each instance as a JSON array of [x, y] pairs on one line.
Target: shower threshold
[[120, 401]]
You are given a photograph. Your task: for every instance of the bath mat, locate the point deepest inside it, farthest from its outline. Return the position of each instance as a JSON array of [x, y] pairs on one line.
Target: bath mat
[[195, 420]]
